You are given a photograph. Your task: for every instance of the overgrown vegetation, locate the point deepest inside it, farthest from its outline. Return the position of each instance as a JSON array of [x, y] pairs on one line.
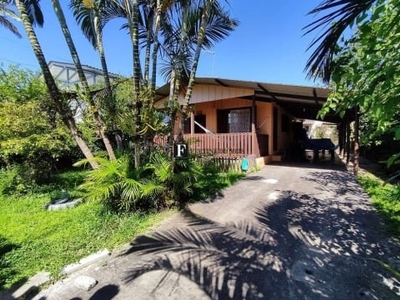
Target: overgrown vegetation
[[362, 70], [386, 198], [32, 138]]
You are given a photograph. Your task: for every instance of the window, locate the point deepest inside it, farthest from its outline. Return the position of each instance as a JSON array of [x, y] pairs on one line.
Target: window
[[239, 120], [234, 120]]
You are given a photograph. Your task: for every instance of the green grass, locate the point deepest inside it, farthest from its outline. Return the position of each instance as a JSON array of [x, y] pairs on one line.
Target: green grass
[[385, 198], [33, 239]]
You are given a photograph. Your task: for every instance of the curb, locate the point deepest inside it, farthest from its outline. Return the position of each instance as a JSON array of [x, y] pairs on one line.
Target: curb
[[92, 258], [34, 283]]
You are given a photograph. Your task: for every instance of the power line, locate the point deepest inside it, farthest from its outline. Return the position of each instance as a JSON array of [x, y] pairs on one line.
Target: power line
[[2, 59]]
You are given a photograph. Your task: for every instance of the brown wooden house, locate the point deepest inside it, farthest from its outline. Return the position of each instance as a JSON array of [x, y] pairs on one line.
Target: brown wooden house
[[244, 118]]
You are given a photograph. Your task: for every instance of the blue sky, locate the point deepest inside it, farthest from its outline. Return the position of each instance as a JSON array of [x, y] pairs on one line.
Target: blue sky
[[268, 45]]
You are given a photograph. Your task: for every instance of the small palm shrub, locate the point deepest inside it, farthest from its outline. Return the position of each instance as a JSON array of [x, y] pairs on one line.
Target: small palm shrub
[[178, 177], [118, 185], [159, 183]]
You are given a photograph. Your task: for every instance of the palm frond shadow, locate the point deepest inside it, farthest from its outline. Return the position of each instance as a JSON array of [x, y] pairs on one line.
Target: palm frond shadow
[[279, 254]]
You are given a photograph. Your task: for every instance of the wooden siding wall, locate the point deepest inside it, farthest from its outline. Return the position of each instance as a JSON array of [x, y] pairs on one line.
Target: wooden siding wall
[[264, 122], [209, 93], [206, 93]]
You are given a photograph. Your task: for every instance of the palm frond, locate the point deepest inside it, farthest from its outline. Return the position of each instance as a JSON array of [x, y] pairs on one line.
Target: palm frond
[[333, 24], [174, 240], [99, 192], [150, 188], [131, 190], [34, 11], [5, 13], [85, 18], [10, 26], [219, 25]]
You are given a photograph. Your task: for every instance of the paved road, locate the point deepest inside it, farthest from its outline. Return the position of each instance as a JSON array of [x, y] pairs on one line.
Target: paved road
[[285, 232]]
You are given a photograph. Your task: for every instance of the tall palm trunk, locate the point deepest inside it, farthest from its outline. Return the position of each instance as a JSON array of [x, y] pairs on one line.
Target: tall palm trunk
[[207, 4], [55, 94], [75, 57], [172, 108], [104, 68], [200, 39], [100, 48], [133, 24], [156, 45], [149, 42], [182, 42]]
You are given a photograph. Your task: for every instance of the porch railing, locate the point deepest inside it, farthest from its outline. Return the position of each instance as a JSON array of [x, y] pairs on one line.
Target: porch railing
[[220, 144]]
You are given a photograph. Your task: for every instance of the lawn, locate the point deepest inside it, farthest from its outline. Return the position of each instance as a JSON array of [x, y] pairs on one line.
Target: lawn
[[33, 239]]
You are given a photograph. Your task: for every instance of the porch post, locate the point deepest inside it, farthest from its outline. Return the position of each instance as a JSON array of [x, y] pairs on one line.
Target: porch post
[[191, 122], [254, 143], [356, 151], [348, 132]]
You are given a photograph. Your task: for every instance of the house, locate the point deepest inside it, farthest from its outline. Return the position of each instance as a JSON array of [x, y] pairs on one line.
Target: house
[[246, 118], [67, 76]]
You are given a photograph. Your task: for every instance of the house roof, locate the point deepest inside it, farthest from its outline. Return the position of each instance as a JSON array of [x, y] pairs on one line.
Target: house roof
[[84, 67], [302, 102], [67, 76]]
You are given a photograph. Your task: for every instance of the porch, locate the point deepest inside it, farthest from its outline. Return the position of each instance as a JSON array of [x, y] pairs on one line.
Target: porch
[[227, 149]]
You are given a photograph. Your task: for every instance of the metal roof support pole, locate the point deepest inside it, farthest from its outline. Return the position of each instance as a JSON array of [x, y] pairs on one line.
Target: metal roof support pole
[[342, 137], [339, 128], [348, 132], [356, 150], [254, 145]]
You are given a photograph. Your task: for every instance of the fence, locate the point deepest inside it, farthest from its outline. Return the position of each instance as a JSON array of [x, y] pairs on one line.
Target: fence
[[227, 149]]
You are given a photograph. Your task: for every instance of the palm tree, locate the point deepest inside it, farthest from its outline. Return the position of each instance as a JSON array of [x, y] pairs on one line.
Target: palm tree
[[75, 57], [157, 16], [340, 14], [90, 16], [6, 12], [33, 9], [205, 24], [56, 96]]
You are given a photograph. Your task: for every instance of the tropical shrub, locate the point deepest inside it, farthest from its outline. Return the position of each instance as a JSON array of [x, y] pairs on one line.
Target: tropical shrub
[[159, 183], [32, 137], [179, 177], [117, 184]]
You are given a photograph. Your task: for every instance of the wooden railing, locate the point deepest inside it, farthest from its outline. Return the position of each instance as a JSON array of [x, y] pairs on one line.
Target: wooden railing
[[219, 144]]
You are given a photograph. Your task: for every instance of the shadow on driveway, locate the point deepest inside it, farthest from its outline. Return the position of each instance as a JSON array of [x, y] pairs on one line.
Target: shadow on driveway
[[298, 247]]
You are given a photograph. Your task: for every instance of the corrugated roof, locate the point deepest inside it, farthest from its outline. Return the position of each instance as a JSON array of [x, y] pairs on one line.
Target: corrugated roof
[[85, 67]]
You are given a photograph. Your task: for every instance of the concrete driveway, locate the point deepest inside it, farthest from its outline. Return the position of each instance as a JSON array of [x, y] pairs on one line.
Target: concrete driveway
[[284, 232]]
